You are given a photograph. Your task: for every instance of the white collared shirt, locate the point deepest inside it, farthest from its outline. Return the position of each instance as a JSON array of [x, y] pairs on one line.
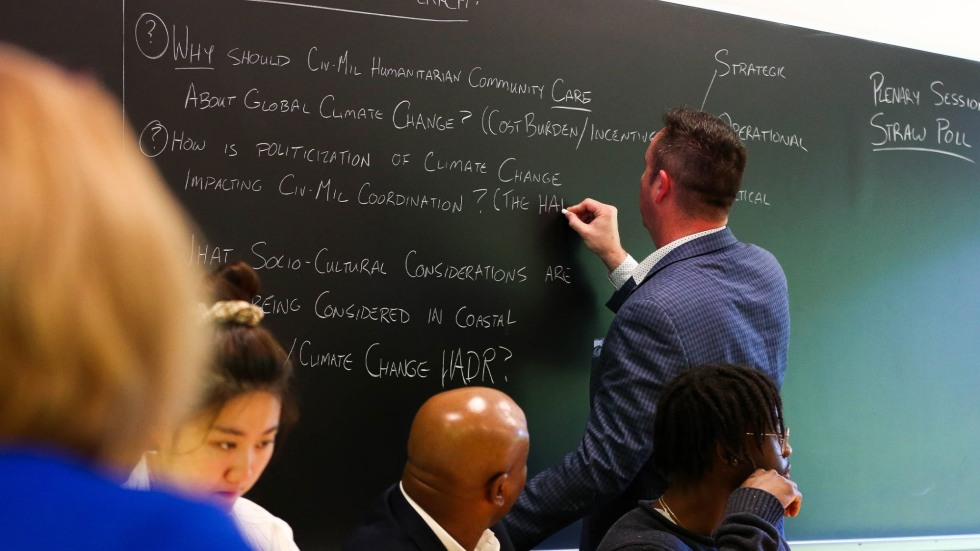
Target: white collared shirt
[[630, 268], [488, 542]]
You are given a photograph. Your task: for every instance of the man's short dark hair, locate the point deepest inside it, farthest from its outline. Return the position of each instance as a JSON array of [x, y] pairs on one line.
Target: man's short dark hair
[[704, 157]]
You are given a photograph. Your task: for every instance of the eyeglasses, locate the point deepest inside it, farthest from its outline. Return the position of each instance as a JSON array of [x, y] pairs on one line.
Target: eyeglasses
[[783, 438]]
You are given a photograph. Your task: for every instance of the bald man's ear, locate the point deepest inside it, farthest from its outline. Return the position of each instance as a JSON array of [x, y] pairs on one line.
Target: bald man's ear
[[497, 490]]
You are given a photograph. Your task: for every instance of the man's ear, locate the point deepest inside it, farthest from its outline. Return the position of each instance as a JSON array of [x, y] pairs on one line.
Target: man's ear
[[497, 489], [663, 185], [725, 456]]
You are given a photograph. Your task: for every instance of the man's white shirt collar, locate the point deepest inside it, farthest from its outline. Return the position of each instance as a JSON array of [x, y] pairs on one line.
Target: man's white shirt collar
[[488, 542], [629, 267]]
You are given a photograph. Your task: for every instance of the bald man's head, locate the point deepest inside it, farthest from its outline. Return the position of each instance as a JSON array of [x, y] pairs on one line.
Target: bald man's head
[[467, 446]]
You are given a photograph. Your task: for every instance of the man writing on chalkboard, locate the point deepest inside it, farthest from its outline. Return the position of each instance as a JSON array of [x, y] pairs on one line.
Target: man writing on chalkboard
[[701, 297]]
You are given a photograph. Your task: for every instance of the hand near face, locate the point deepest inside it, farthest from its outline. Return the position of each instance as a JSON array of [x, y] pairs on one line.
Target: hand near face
[[779, 486], [597, 224]]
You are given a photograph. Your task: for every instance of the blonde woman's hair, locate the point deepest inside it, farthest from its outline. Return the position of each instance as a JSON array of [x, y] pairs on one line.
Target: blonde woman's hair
[[99, 341]]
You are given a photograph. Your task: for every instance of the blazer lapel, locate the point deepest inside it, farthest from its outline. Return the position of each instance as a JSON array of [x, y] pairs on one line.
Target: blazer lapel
[[416, 528]]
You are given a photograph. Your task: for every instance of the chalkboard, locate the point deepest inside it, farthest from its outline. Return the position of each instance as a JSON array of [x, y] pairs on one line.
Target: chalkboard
[[395, 170]]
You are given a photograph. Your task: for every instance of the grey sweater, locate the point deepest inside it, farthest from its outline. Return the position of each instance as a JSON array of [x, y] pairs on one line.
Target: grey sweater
[[753, 521]]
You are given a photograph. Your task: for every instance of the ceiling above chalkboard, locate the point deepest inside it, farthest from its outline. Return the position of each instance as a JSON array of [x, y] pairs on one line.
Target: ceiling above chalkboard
[[940, 27]]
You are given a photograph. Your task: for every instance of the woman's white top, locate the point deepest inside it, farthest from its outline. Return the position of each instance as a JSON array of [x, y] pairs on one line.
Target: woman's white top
[[262, 530]]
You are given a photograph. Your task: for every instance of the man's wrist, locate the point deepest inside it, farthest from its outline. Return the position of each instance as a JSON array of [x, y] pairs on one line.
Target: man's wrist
[[623, 271], [615, 259]]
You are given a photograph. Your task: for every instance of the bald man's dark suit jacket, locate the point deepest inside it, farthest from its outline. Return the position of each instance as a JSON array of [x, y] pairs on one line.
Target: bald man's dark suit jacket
[[713, 299], [393, 525]]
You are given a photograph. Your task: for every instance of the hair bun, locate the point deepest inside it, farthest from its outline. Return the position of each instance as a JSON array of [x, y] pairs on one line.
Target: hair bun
[[235, 281]]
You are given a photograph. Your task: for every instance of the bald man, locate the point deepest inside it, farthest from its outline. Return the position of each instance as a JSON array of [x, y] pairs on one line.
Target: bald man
[[467, 463]]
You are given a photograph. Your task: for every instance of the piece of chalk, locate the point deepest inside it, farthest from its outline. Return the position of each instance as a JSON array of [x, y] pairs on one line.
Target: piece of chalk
[[564, 211]]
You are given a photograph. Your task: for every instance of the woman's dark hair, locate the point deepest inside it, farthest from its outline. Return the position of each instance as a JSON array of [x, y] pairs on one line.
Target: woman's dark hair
[[710, 405], [245, 357]]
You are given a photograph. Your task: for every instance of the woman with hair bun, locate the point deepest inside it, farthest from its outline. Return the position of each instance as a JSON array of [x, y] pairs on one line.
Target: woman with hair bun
[[219, 452]]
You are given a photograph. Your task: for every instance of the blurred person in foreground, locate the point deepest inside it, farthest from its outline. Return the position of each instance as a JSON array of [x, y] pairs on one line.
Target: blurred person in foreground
[[99, 341]]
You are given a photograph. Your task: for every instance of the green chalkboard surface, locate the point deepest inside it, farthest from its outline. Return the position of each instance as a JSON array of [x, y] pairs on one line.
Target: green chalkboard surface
[[395, 170]]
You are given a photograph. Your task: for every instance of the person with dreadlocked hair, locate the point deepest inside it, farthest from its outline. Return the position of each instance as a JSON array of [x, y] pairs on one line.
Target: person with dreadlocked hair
[[724, 448], [219, 452]]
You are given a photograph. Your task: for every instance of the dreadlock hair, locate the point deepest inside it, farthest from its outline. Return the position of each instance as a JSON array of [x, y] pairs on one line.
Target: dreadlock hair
[[706, 159], [710, 405]]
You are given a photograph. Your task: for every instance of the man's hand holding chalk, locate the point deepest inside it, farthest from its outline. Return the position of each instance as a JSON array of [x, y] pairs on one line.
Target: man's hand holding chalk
[[598, 225]]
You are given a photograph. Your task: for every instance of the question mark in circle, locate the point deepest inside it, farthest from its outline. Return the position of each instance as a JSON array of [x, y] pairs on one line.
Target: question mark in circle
[[152, 147], [154, 39]]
